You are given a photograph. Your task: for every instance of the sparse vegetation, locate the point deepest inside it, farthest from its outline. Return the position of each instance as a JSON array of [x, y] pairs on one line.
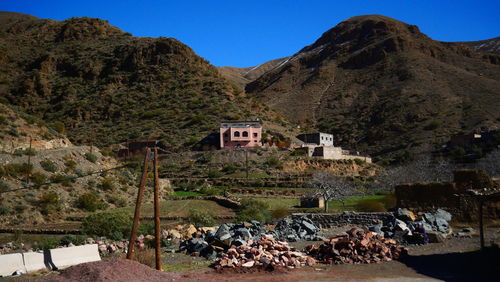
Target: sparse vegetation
[[90, 157], [89, 202], [107, 184], [49, 202], [113, 225], [49, 166], [201, 218], [253, 210]]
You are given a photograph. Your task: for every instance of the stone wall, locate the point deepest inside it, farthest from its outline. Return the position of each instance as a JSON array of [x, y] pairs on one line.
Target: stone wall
[[451, 196], [327, 220]]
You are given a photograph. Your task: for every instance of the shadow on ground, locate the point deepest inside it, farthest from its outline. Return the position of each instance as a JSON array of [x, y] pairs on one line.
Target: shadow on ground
[[466, 266]]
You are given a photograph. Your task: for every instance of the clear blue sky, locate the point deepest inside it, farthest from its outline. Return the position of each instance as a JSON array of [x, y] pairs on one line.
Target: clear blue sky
[[248, 33]]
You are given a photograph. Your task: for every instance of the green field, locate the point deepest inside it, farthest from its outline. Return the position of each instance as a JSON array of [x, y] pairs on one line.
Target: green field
[[353, 203], [181, 208]]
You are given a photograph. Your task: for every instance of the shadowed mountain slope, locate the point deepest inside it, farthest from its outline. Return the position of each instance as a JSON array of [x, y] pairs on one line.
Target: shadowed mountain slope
[[381, 85]]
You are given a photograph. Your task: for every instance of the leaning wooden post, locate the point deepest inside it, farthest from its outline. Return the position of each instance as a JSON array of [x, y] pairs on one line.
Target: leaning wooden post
[[481, 225], [157, 211], [28, 170], [138, 202]]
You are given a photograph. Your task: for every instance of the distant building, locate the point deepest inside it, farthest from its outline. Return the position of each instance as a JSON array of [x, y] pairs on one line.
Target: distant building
[[319, 138], [240, 134], [137, 146], [320, 145]]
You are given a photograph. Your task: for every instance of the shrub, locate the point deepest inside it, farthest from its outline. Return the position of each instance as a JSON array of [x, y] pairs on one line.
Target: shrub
[[230, 168], [58, 127], [253, 210], [4, 210], [89, 202], [279, 212], [4, 186], [370, 205], [274, 162], [212, 173], [389, 201], [49, 202], [145, 256], [298, 152], [107, 184], [90, 157], [65, 180], [116, 200], [49, 166], [113, 225], [47, 242], [38, 178], [20, 208], [359, 161], [70, 164], [146, 228], [201, 218], [432, 125], [73, 239], [210, 190]]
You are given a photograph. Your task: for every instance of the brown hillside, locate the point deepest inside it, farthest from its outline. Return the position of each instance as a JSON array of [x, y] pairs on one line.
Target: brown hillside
[[381, 85], [485, 46], [242, 76], [107, 86]]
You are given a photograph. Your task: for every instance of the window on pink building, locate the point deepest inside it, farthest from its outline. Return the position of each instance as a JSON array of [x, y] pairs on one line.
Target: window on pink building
[[236, 134], [255, 134], [245, 134]]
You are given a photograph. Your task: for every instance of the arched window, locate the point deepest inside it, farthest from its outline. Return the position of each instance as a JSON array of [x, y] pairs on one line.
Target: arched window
[[245, 134], [236, 134]]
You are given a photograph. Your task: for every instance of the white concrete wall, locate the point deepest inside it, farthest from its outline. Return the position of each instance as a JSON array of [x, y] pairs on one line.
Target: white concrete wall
[[11, 263]]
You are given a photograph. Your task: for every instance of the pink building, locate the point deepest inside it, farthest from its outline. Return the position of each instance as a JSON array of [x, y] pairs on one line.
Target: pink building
[[240, 134]]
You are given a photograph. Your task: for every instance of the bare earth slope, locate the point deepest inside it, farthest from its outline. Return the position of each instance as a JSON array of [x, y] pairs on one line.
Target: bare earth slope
[[242, 76], [485, 46], [381, 85]]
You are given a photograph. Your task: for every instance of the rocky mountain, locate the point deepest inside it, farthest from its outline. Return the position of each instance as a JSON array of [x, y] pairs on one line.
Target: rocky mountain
[[242, 76], [485, 46], [107, 86], [383, 87]]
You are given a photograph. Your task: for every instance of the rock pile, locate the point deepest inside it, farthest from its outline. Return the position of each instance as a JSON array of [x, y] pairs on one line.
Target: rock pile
[[209, 243], [407, 227], [356, 246], [297, 229], [264, 252]]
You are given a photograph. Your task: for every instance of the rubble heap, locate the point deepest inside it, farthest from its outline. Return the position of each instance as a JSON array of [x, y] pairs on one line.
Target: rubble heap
[[356, 246], [264, 252], [209, 243], [435, 224], [297, 229]]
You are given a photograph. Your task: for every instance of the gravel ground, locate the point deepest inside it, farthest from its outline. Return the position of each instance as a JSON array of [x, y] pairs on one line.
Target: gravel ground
[[456, 259]]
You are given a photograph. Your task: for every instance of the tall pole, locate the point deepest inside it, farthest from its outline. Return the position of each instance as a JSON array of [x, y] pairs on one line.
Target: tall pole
[[246, 162], [29, 164], [138, 202], [157, 211], [481, 224]]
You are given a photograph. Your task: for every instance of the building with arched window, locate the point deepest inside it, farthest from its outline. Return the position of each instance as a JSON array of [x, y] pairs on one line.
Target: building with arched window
[[240, 134]]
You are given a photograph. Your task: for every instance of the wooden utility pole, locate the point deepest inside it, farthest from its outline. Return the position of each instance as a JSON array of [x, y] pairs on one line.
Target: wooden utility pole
[[246, 162], [481, 224], [28, 169], [157, 210], [138, 202]]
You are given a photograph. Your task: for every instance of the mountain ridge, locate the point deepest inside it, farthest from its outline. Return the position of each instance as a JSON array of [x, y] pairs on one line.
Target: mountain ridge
[[107, 86], [381, 85]]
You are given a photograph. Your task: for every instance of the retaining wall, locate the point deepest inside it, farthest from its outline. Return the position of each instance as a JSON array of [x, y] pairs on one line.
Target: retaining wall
[[327, 220]]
